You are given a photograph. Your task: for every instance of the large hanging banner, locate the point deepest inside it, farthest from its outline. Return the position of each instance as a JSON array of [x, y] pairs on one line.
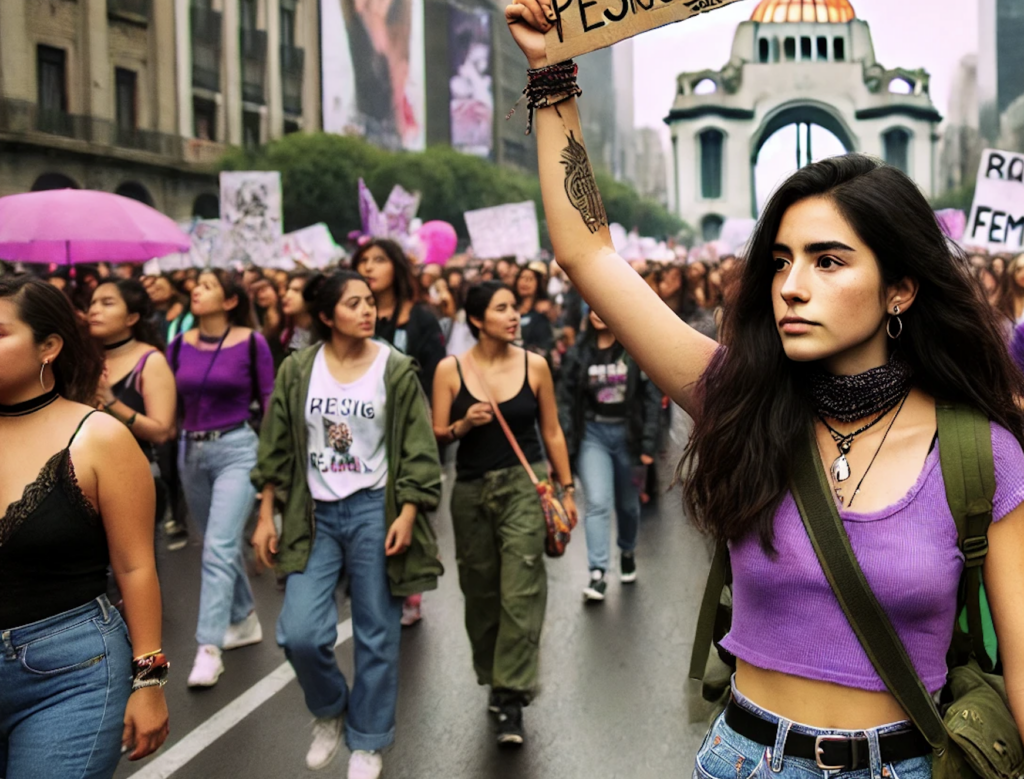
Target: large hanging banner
[[510, 230], [470, 87], [997, 216], [373, 81], [587, 25], [250, 214]]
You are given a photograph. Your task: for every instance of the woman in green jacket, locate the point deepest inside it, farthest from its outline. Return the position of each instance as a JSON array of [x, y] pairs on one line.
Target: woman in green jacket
[[348, 455]]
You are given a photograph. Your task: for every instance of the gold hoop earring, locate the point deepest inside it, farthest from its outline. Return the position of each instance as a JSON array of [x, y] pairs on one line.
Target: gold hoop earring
[[899, 323], [41, 369]]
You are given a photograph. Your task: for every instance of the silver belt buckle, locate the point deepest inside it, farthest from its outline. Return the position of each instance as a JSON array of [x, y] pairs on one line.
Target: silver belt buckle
[[818, 752]]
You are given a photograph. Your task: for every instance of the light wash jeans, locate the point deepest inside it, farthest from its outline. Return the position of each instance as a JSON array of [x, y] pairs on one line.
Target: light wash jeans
[[350, 534], [64, 685], [220, 497], [607, 470], [726, 754]]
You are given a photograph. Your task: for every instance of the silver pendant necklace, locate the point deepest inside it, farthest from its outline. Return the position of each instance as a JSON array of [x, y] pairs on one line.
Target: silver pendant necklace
[[840, 469]]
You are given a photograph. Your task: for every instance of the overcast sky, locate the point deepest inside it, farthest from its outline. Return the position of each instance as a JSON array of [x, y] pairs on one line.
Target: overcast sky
[[933, 34]]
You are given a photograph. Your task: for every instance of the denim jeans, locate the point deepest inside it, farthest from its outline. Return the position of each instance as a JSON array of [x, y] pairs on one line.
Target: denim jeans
[[64, 685], [726, 754], [349, 534], [220, 497], [606, 470]]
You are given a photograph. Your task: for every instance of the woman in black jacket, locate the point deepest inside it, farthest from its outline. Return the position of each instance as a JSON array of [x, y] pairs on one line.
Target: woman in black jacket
[[609, 413]]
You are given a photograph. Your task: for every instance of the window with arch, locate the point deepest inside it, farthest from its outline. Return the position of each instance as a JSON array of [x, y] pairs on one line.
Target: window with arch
[[711, 227], [896, 148], [763, 50], [822, 48], [790, 47], [839, 49], [900, 86], [712, 144]]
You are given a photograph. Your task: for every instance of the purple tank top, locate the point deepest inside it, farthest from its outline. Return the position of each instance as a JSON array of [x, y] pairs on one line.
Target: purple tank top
[[786, 618]]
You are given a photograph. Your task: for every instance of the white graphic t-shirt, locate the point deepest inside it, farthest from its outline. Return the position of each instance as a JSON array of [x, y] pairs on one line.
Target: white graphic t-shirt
[[345, 426]]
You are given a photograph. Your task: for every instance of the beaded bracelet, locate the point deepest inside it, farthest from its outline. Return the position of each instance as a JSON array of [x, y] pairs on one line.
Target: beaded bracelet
[[546, 87]]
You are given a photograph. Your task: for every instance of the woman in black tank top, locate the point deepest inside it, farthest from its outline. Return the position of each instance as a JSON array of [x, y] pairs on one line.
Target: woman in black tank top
[[76, 495], [496, 513]]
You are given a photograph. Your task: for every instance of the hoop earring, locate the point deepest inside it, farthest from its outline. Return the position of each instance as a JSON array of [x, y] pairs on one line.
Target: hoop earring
[[41, 369], [899, 322]]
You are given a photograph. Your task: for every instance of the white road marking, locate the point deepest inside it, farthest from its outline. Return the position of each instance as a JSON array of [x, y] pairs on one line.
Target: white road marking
[[220, 723]]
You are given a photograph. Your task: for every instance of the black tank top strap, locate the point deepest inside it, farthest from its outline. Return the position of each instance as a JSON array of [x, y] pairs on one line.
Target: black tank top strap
[[458, 367], [77, 429]]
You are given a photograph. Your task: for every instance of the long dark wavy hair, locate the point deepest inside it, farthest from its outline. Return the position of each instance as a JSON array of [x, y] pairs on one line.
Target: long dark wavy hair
[[754, 409], [136, 301], [47, 310], [403, 283], [322, 293]]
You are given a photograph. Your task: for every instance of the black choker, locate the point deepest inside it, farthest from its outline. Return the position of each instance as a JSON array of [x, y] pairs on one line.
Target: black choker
[[119, 344], [213, 339], [849, 398], [29, 406]]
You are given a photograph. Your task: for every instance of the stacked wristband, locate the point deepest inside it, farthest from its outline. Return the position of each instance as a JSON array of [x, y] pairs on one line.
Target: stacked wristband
[[150, 670], [547, 87]]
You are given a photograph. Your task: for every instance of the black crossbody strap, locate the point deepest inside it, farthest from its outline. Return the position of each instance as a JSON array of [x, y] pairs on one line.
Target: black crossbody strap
[[862, 609]]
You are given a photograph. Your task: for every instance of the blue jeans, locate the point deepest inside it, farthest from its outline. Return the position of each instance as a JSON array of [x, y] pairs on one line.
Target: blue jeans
[[220, 497], [726, 754], [606, 470], [349, 533], [64, 685]]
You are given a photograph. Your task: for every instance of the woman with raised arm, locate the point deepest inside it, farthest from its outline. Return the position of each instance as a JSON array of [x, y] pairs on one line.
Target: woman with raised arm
[[348, 457], [499, 525], [852, 316], [78, 498]]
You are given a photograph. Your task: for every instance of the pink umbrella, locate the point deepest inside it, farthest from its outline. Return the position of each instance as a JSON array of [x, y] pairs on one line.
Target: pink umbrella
[[74, 226]]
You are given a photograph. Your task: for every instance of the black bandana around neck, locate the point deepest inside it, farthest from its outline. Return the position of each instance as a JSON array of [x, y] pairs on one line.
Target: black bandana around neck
[[849, 398]]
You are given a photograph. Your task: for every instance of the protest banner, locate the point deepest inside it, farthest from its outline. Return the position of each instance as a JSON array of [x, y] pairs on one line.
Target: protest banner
[[312, 247], [250, 212], [207, 246], [587, 25], [997, 216], [504, 231]]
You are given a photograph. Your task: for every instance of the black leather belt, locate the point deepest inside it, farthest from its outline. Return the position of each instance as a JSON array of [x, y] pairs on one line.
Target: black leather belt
[[831, 753], [210, 435]]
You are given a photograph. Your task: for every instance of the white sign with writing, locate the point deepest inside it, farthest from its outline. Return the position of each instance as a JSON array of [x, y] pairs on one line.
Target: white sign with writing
[[997, 216], [504, 231]]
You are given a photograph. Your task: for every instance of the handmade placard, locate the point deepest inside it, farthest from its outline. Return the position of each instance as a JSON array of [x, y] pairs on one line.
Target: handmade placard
[[997, 217], [588, 25]]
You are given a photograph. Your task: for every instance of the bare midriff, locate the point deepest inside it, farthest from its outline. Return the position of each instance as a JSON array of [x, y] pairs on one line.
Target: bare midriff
[[815, 703]]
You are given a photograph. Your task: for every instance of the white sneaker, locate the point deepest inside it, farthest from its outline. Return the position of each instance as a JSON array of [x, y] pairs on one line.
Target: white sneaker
[[365, 765], [207, 668], [326, 740], [244, 633], [411, 610]]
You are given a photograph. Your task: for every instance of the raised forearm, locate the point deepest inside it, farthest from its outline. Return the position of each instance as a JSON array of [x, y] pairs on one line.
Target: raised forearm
[[577, 222]]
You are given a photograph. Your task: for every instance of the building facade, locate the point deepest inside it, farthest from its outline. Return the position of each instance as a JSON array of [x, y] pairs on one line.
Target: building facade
[[102, 94], [1000, 63], [796, 62]]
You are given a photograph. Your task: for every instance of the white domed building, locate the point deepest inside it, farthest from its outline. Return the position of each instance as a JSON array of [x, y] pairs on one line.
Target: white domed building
[[808, 63]]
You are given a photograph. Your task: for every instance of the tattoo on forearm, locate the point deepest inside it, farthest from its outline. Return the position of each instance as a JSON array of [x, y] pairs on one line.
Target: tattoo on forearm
[[580, 186]]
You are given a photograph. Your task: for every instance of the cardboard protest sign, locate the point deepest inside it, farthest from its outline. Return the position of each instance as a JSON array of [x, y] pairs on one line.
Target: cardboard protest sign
[[312, 246], [997, 216], [207, 246], [250, 213], [587, 25], [504, 231]]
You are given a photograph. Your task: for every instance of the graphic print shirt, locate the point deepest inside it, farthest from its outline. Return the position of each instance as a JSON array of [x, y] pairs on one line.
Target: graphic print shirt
[[345, 423], [606, 382]]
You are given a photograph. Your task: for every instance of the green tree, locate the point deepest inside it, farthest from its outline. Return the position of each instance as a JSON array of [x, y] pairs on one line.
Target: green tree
[[320, 174]]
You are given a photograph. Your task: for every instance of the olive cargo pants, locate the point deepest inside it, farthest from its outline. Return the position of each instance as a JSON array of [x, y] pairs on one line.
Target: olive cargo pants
[[499, 548]]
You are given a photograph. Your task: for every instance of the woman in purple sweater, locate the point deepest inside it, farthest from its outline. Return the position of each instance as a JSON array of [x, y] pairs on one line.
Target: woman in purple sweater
[[852, 315], [222, 368]]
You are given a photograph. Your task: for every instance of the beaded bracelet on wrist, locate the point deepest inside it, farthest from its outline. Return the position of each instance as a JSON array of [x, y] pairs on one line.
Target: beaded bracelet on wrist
[[547, 87]]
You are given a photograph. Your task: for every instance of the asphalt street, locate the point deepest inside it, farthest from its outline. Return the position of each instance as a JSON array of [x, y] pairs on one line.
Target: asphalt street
[[614, 700]]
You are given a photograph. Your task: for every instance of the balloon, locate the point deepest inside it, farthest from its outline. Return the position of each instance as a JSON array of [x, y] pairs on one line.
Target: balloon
[[438, 240]]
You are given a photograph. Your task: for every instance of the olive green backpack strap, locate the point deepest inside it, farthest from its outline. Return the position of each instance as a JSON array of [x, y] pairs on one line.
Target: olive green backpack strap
[[865, 614], [968, 471], [709, 608]]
